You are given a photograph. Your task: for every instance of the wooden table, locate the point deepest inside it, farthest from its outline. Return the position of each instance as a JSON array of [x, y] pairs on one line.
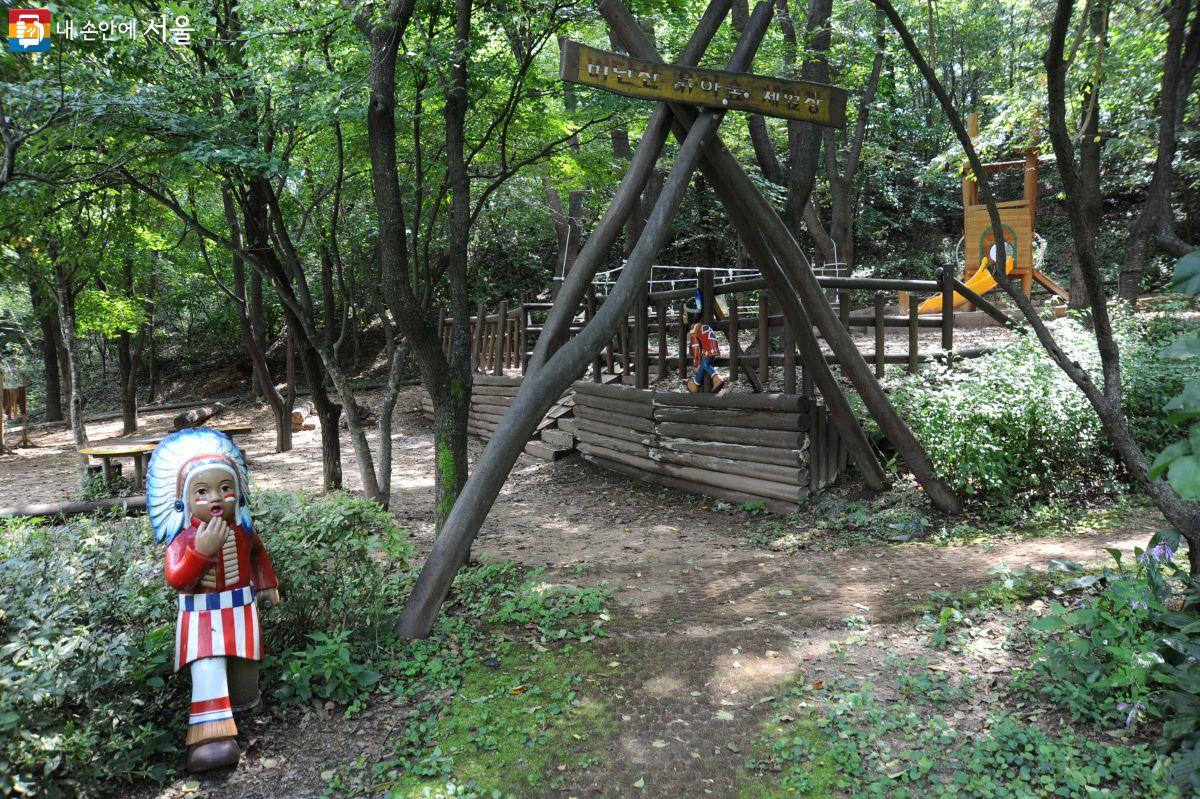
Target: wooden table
[[138, 451], [235, 430]]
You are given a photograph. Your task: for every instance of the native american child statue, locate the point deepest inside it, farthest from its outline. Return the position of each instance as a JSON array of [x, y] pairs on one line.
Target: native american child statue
[[196, 495]]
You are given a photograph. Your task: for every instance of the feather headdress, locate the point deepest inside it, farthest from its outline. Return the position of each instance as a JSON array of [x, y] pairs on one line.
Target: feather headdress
[[174, 459]]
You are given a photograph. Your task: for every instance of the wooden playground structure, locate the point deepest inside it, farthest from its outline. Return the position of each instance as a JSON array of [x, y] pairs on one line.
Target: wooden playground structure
[[1018, 217]]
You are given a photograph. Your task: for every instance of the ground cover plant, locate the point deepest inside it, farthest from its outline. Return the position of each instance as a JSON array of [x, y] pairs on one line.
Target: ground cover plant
[[86, 628]]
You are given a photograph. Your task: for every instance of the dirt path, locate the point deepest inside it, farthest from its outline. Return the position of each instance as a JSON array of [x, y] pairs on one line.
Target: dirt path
[[705, 630]]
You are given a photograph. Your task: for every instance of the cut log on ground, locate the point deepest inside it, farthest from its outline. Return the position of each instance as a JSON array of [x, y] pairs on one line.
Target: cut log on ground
[[300, 414], [130, 505], [198, 416], [751, 487]]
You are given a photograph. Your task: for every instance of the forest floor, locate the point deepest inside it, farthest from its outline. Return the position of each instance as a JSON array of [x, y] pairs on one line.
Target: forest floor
[[718, 616]]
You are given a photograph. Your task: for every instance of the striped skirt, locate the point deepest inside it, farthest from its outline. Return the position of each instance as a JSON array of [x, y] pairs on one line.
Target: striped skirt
[[220, 624]]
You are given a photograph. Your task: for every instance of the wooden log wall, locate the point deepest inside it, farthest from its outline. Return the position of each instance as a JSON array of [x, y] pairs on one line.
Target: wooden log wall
[[491, 397], [773, 449]]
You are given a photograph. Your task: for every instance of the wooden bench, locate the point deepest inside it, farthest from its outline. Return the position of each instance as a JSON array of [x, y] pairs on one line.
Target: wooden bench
[[106, 453]]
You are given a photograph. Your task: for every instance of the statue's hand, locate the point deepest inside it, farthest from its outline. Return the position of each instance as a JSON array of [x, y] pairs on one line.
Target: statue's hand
[[269, 597], [210, 536]]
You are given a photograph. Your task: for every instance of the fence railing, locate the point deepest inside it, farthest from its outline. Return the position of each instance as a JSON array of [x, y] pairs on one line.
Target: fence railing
[[652, 341]]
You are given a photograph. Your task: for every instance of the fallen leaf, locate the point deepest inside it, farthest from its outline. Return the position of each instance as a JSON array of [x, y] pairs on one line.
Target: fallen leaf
[[641, 783], [658, 744], [518, 690]]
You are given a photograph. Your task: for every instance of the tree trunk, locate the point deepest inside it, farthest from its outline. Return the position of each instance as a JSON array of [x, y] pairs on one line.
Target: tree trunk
[[1155, 225], [66, 316], [46, 313]]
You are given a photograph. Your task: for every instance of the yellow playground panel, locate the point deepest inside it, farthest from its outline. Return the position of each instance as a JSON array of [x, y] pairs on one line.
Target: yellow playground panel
[[1017, 218]]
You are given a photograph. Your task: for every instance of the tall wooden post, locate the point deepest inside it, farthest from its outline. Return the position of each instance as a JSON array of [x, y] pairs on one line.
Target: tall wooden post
[[523, 338], [501, 350], [623, 342], [789, 358], [2, 414], [880, 334], [735, 347], [477, 338], [660, 311], [707, 298], [589, 314], [843, 298], [641, 340], [914, 339], [683, 342], [946, 276], [764, 336]]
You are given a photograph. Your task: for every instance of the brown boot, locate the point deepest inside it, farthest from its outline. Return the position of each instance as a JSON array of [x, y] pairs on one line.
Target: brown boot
[[221, 753], [717, 384], [692, 387]]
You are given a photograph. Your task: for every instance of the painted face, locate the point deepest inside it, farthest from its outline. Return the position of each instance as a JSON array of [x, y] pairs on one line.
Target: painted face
[[211, 493]]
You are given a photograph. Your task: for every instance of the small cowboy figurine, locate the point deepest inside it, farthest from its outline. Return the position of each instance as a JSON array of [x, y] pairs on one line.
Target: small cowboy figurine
[[703, 345], [196, 495]]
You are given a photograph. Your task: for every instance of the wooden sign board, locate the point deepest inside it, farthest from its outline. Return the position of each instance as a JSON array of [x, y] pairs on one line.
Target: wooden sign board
[[731, 91]]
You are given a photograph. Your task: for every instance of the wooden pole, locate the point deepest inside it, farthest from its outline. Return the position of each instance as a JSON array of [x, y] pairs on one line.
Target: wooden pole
[[734, 344], [789, 358], [477, 338], [683, 342], [623, 342], [589, 315], [880, 331], [501, 339], [946, 276], [641, 339], [707, 298], [914, 341], [2, 413], [523, 338], [660, 311], [764, 337], [843, 297]]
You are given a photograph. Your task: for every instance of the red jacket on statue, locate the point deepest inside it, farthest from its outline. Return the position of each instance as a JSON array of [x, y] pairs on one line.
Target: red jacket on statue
[[217, 613], [243, 561]]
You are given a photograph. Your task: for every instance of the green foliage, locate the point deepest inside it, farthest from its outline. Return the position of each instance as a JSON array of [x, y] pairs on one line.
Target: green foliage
[[1128, 652], [1011, 421], [1180, 461], [86, 630], [870, 748], [119, 486], [343, 566]]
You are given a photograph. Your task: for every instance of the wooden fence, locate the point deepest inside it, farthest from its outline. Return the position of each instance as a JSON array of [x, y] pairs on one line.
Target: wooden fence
[[652, 343], [773, 449]]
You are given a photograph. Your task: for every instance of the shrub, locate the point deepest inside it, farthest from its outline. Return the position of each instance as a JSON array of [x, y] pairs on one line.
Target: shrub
[[1012, 421], [86, 625]]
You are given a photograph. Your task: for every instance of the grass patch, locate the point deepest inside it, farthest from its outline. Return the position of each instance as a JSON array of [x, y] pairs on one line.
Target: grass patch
[[840, 520], [851, 741], [519, 723]]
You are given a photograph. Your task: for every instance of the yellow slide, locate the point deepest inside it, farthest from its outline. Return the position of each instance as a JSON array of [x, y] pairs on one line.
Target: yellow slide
[[981, 283]]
